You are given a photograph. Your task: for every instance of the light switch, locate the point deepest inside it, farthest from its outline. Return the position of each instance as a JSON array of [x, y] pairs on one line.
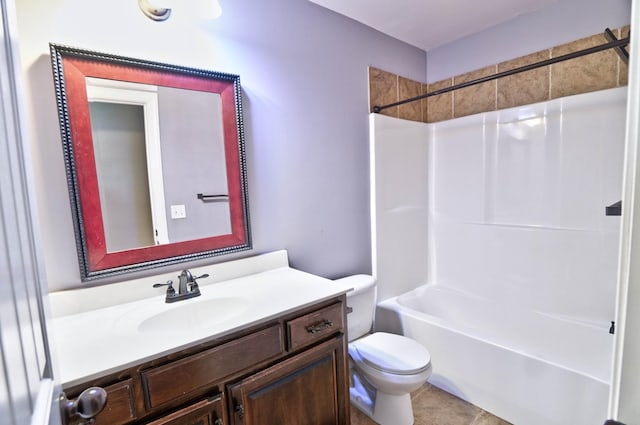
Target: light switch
[[178, 211]]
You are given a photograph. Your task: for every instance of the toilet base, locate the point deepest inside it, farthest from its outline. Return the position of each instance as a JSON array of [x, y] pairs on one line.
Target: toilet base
[[393, 409], [362, 394], [384, 409]]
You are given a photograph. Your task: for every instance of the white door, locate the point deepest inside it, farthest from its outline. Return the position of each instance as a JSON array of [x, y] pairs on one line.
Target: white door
[[103, 93], [28, 393]]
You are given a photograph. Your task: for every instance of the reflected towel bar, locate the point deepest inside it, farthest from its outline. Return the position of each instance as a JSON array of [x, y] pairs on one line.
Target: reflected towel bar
[[212, 198]]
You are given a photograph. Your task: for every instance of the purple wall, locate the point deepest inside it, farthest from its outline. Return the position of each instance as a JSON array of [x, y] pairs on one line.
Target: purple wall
[[303, 72], [562, 22]]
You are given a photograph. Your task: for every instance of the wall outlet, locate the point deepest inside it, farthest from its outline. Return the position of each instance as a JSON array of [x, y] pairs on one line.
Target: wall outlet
[[178, 211]]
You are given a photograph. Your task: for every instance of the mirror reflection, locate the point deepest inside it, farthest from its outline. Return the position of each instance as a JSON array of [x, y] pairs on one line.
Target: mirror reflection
[[142, 133], [155, 161]]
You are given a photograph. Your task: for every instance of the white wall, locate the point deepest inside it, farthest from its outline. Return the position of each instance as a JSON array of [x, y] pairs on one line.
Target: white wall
[[518, 201], [399, 204], [304, 76], [559, 23]]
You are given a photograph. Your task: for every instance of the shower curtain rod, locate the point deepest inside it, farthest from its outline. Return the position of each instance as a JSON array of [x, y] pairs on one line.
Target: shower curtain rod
[[617, 44]]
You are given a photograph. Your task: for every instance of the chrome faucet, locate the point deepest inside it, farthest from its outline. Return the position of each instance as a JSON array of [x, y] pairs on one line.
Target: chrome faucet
[[186, 278], [187, 287]]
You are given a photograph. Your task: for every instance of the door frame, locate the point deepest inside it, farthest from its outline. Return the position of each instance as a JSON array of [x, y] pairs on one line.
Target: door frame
[[625, 385], [28, 390]]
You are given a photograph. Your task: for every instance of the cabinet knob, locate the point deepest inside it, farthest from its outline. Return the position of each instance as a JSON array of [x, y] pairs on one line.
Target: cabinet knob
[[84, 408]]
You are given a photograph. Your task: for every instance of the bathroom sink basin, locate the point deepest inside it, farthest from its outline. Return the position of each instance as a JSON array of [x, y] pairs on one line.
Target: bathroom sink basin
[[194, 314]]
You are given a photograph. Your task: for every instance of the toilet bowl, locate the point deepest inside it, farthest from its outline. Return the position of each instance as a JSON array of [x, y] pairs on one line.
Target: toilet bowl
[[393, 363], [384, 368]]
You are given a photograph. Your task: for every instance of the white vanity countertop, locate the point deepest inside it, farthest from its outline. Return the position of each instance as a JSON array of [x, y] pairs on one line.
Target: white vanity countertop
[[96, 342]]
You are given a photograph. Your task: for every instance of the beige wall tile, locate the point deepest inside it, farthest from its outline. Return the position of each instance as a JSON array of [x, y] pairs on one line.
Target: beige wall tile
[[597, 71], [383, 90], [593, 72], [477, 98], [526, 87], [425, 106], [439, 107], [623, 70], [408, 89]]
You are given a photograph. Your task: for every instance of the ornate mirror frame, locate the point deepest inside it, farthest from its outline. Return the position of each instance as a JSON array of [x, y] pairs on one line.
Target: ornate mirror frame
[[71, 67]]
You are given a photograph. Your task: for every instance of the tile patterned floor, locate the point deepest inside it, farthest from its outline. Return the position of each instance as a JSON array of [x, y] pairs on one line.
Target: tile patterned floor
[[432, 406]]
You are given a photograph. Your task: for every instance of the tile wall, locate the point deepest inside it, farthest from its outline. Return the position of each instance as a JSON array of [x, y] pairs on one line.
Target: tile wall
[[598, 71]]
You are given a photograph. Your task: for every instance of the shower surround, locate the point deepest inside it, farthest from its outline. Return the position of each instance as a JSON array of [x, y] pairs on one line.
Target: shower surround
[[504, 211]]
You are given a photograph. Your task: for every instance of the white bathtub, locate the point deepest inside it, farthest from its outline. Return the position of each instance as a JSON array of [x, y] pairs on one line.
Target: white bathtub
[[526, 367]]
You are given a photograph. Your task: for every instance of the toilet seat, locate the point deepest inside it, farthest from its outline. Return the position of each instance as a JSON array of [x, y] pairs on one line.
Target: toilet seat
[[392, 353]]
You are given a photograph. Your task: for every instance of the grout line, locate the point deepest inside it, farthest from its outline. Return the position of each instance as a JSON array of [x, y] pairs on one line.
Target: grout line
[[550, 74], [495, 96], [453, 98]]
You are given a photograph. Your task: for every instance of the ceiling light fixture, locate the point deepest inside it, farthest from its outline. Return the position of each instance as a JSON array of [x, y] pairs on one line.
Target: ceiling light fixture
[[208, 9], [152, 12]]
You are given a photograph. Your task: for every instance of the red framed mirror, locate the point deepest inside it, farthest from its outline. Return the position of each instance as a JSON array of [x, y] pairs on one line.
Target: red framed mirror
[[155, 161]]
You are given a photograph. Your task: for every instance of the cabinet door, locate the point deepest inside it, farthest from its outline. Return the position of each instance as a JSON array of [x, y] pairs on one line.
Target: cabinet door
[[309, 388], [205, 412]]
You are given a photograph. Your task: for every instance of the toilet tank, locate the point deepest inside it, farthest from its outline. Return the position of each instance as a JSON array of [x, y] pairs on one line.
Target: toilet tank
[[362, 299]]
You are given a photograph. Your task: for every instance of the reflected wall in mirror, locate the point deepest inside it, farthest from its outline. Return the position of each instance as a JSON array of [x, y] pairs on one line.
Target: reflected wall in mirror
[[155, 161]]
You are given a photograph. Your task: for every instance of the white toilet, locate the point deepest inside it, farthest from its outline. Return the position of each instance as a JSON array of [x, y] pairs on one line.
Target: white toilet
[[384, 367]]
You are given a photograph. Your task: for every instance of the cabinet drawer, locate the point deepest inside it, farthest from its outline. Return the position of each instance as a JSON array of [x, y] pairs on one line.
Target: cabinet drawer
[[168, 382], [314, 326], [206, 412], [120, 408]]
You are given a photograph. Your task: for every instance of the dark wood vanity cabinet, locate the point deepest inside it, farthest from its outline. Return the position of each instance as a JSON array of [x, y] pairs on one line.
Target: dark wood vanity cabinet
[[287, 370]]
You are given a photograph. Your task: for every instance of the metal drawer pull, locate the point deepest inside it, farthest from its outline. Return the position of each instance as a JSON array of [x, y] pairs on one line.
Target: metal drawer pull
[[320, 326], [239, 410]]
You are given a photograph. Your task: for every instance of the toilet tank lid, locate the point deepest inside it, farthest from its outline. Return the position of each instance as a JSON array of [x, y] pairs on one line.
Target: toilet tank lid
[[393, 353], [359, 282]]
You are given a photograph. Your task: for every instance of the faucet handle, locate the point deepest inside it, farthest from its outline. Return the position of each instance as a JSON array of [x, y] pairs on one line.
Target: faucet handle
[[169, 285], [193, 284]]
